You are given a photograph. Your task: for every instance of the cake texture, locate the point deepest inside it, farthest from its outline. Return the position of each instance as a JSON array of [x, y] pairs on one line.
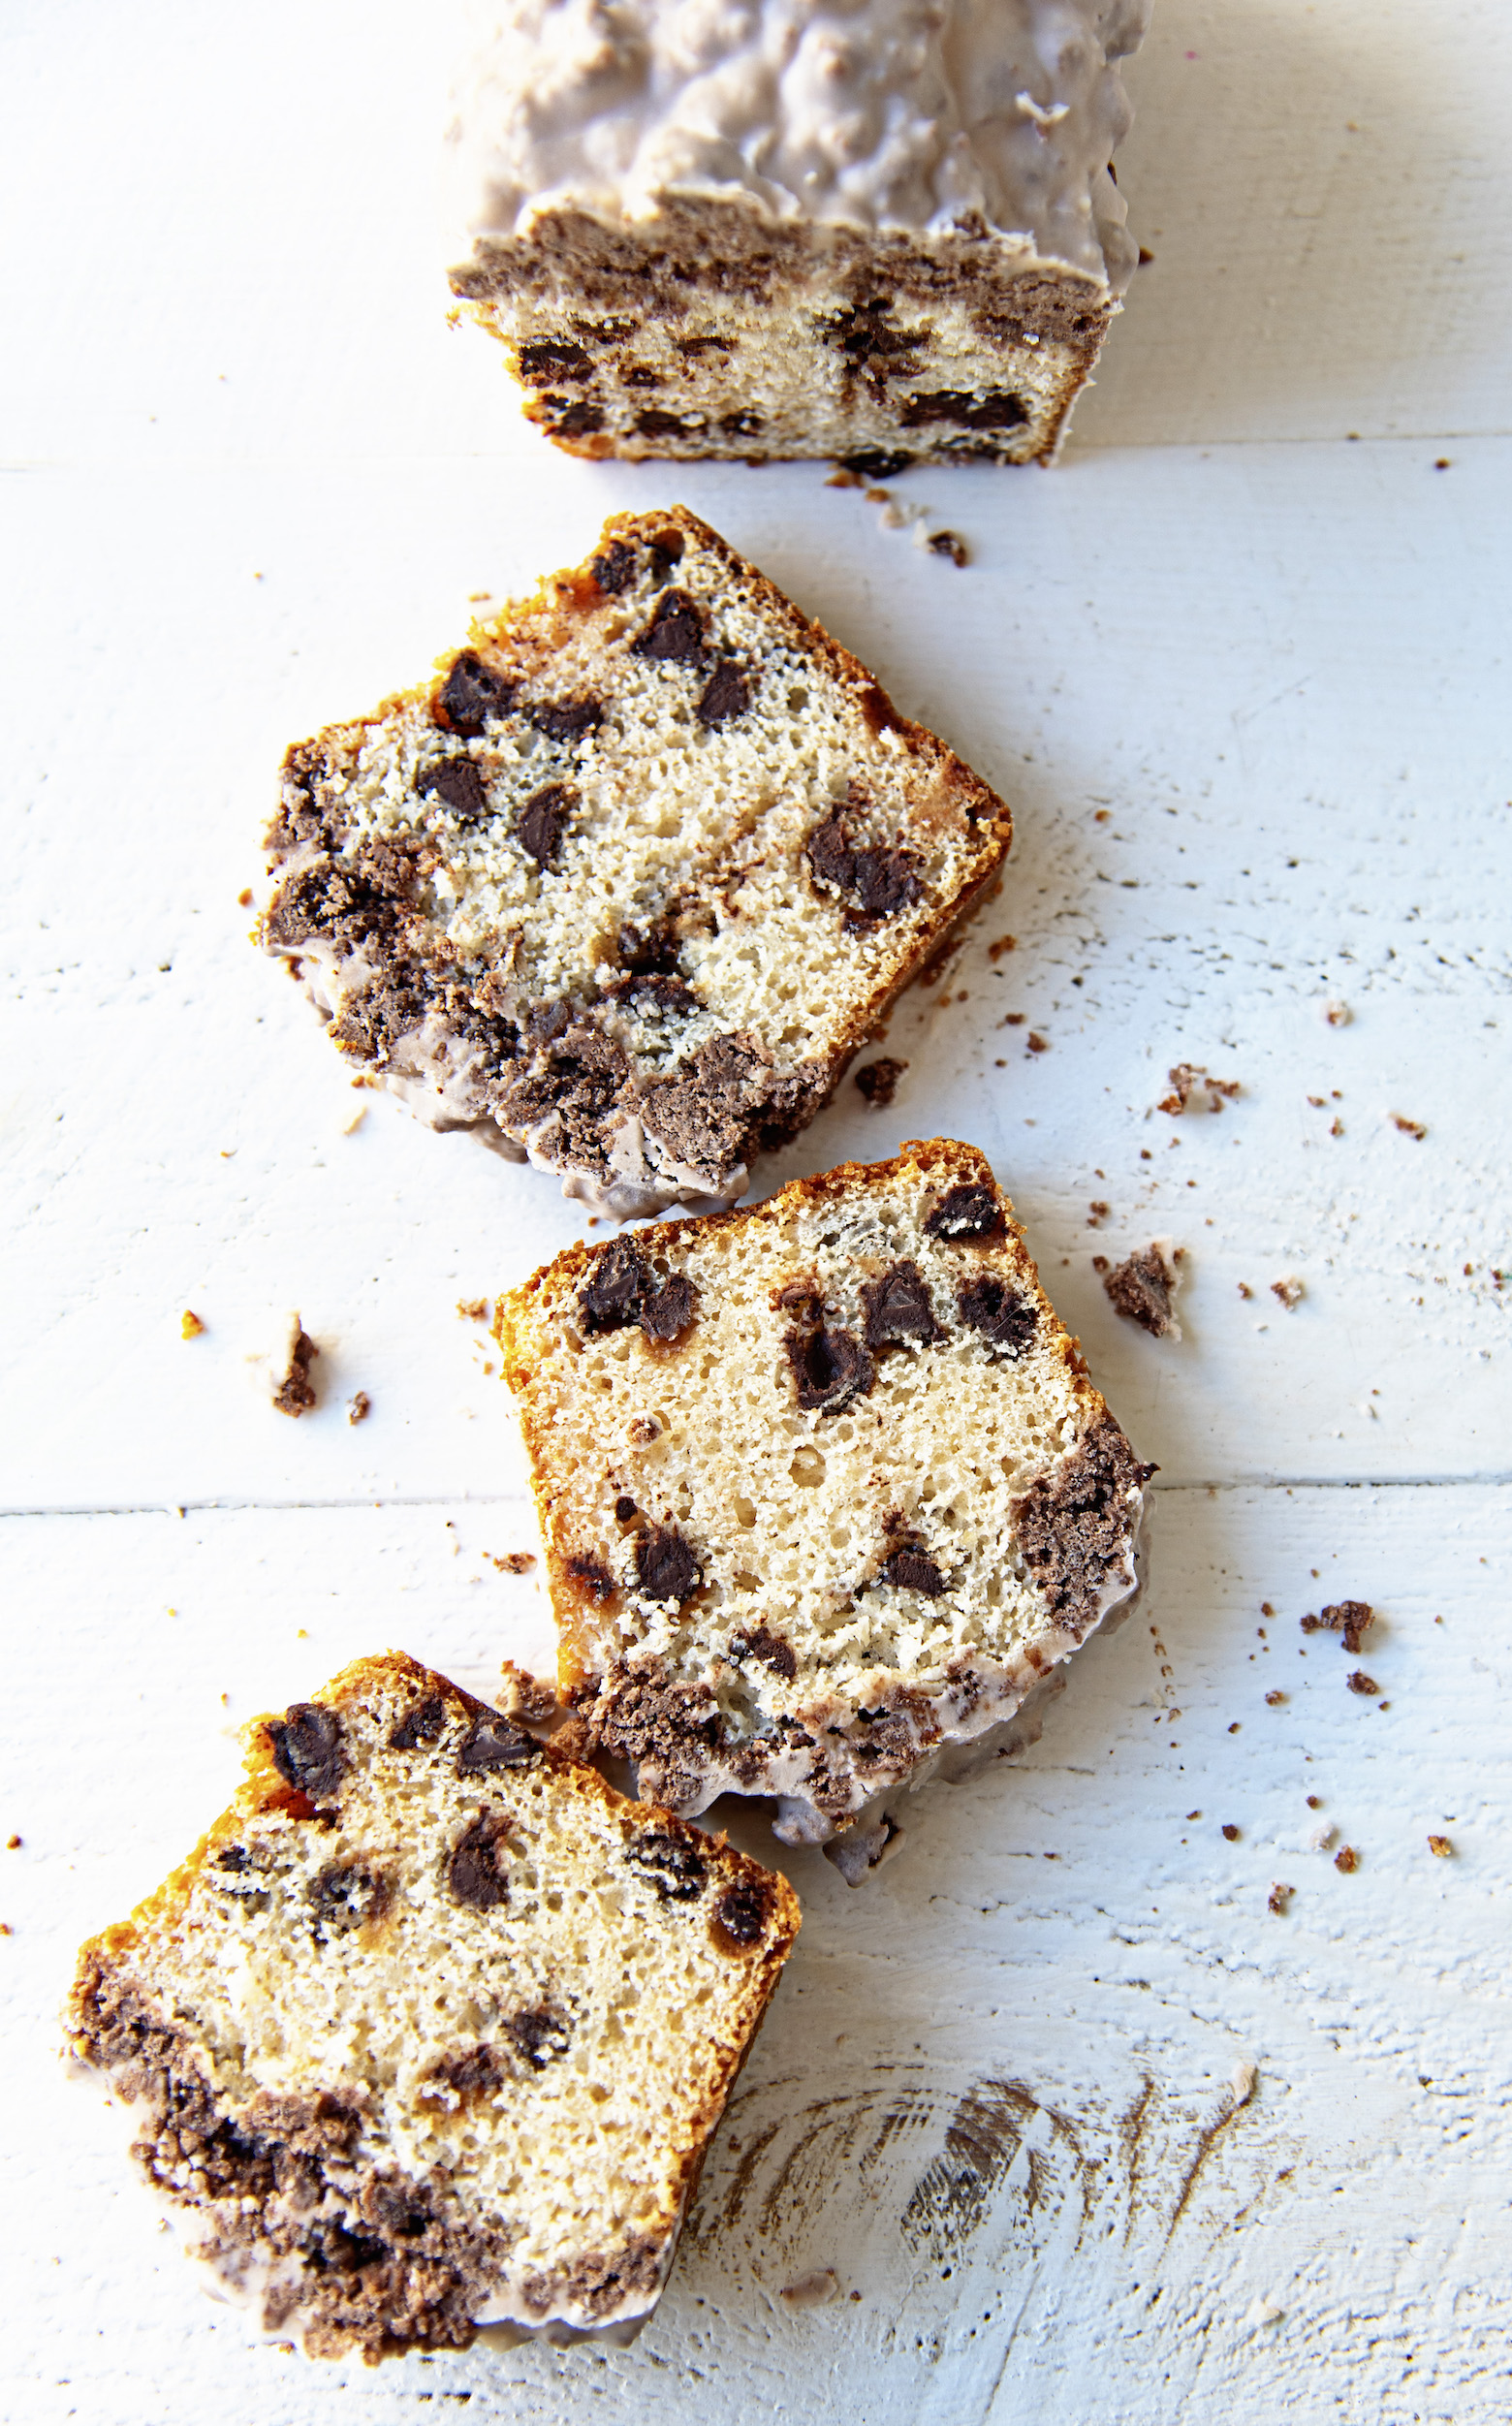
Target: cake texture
[[824, 1487], [430, 2031], [628, 882], [883, 235]]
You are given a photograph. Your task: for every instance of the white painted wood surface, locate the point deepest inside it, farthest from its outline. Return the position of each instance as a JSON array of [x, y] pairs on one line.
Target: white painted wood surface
[[252, 481]]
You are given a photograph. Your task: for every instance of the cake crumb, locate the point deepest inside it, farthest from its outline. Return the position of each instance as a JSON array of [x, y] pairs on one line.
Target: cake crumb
[[811, 2291], [1337, 1014], [1314, 1801], [1410, 1128], [1346, 1859], [1143, 1288], [1289, 1289], [1280, 1896], [473, 1308], [354, 1120], [1359, 1683], [525, 1696], [949, 544], [1435, 1845], [1272, 1699], [293, 1391], [12, 1844], [190, 1326], [1229, 1831], [1244, 2077], [1321, 1838], [1001, 944], [516, 1563], [1194, 1090], [1351, 1620], [1036, 1043], [361, 1408], [244, 898], [878, 1081]]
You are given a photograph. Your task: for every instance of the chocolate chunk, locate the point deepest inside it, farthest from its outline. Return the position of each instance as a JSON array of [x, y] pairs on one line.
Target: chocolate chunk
[[475, 1872], [615, 570], [773, 1653], [742, 1914], [542, 2036], [554, 358], [543, 821], [676, 1867], [656, 423], [233, 1857], [474, 693], [650, 950], [572, 421], [670, 1310], [831, 1367], [878, 1081], [624, 1508], [664, 1564], [831, 856], [666, 552], [913, 1572], [998, 1312], [344, 1896], [656, 994], [616, 1287], [590, 1575], [566, 719], [726, 696], [422, 1723], [675, 634], [875, 463], [886, 881], [457, 783], [307, 1752], [1141, 1288], [971, 1211], [899, 1307], [742, 424], [471, 2074], [999, 409], [495, 1743], [1076, 1525]]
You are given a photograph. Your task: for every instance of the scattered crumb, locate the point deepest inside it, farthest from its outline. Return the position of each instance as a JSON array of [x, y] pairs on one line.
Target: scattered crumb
[[189, 1325], [361, 1408], [1037, 1043], [516, 1563], [1321, 1838], [244, 898], [1359, 1683], [1337, 1014], [1192, 1090], [1346, 1859], [1314, 1801], [1289, 1289], [1280, 1896], [1002, 944], [1245, 1289], [473, 1308], [1143, 1288], [1410, 1128], [949, 544], [845, 480], [1097, 1212], [811, 2291], [1242, 2077], [353, 1120], [1273, 1699], [1194, 1815], [12, 1844], [1441, 463], [1337, 1128], [1317, 1102], [1011, 1018], [6, 1931], [1350, 1618], [1265, 2311], [1435, 1845], [1100, 1263], [293, 1391], [1266, 1609], [1231, 1832], [526, 1697], [878, 1081], [1234, 1729]]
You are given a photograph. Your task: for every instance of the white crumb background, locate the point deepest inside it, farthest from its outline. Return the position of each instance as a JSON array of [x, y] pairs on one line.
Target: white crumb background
[[1080, 2129]]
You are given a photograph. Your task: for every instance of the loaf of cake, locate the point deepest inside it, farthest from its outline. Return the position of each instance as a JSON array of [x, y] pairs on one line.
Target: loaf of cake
[[627, 883], [824, 1486], [885, 234], [429, 2033]]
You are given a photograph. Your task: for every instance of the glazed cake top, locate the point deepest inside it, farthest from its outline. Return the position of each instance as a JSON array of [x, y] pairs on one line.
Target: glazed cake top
[[911, 115]]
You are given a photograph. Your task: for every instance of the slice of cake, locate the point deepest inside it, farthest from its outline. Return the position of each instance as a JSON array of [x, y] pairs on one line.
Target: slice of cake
[[887, 235], [824, 1486], [626, 885], [431, 2029]]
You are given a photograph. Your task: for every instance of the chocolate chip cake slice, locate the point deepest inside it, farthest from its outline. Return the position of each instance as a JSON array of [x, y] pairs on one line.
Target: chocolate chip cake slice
[[626, 885], [883, 234], [430, 2031], [824, 1484]]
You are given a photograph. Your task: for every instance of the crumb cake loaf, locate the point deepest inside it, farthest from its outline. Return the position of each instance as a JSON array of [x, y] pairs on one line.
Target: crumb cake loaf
[[626, 885], [824, 1486], [431, 2029], [882, 235]]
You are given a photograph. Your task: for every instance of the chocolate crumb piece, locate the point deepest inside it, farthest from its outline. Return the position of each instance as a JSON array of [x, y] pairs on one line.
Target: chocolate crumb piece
[[1273, 1699], [526, 1697], [190, 1326], [566, 719], [674, 1865], [307, 1750], [1314, 1801], [1290, 1290], [741, 1916], [294, 1394], [475, 1872], [675, 634], [878, 1081], [516, 1563], [494, 1743], [543, 821], [1229, 1831], [1359, 1683], [457, 784], [1441, 1845], [1410, 1128], [912, 1571], [1346, 1859], [949, 544], [899, 1307], [830, 1367], [1349, 1618], [971, 1211], [541, 2037], [1009, 1321], [1143, 1287], [361, 1408], [760, 1643], [1101, 1264], [726, 696], [664, 1564], [1280, 1896], [473, 693]]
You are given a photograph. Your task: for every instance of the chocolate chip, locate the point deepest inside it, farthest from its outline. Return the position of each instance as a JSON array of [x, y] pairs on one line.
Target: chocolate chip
[[664, 1564], [875, 463], [554, 358], [760, 1643], [572, 421], [886, 881], [831, 1367], [831, 856], [726, 696], [344, 1896], [742, 1914], [541, 2037], [878, 1081], [543, 821], [675, 634], [971, 1211], [306, 1748], [998, 1313], [666, 552], [742, 424], [474, 1871], [615, 570], [624, 1508], [474, 693], [1000, 409], [421, 1723], [566, 719], [233, 1857], [495, 1743], [670, 1310], [616, 1287], [656, 423], [899, 1307], [675, 1865], [457, 783], [913, 1572]]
